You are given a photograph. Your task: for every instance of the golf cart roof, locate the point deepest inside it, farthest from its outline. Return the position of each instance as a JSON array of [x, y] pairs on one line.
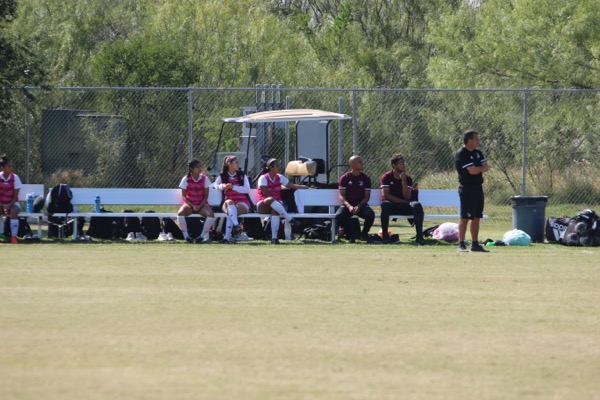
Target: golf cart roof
[[289, 116]]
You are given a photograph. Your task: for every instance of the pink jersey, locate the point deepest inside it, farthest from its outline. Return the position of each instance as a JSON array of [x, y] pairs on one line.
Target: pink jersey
[[274, 187], [7, 189], [195, 191], [231, 194]]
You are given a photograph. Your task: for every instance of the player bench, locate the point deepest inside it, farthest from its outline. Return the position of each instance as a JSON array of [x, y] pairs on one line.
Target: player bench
[[429, 198]]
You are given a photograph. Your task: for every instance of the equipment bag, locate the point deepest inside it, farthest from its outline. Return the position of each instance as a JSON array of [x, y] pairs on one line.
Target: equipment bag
[[218, 229], [60, 199], [556, 228], [583, 230], [151, 226], [170, 226], [24, 228], [106, 227]]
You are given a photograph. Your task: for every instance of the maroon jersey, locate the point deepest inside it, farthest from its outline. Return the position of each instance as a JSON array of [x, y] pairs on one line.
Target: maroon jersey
[[394, 185], [355, 186]]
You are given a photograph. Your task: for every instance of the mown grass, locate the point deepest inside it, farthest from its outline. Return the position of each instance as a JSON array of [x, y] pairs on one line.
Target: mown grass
[[318, 321]]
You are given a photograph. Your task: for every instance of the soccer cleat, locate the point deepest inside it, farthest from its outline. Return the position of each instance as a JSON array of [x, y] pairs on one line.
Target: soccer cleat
[[205, 239], [189, 240], [236, 230], [462, 249], [479, 248], [130, 237], [274, 241], [225, 241], [14, 240], [170, 237]]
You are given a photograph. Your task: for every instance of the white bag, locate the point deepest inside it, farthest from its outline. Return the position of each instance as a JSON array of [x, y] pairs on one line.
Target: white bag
[[447, 231]]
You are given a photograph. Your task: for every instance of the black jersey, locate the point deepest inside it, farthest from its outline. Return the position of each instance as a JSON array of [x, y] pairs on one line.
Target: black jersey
[[465, 159]]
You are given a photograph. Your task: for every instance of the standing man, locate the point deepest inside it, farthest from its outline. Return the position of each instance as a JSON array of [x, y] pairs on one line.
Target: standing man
[[397, 193], [470, 165], [355, 191]]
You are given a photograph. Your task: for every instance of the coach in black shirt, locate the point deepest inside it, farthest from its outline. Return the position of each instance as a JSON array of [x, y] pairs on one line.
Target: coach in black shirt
[[470, 165]]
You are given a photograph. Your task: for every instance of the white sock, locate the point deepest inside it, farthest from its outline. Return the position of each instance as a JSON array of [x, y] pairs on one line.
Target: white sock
[[2, 220], [277, 206], [183, 226], [275, 221], [232, 212], [14, 227], [228, 228], [287, 229], [208, 223]]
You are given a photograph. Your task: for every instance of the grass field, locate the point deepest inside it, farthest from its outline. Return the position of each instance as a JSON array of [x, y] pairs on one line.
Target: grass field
[[310, 321]]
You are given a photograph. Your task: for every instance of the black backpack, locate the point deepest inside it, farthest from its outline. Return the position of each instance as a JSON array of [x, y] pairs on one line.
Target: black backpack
[[151, 226], [60, 199]]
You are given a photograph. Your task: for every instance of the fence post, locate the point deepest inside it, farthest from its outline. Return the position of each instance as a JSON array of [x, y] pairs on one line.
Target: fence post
[[27, 136], [524, 144], [354, 124], [190, 125], [340, 155], [288, 102]]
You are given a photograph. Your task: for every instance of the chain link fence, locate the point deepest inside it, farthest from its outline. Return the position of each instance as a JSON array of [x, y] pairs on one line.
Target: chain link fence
[[538, 142]]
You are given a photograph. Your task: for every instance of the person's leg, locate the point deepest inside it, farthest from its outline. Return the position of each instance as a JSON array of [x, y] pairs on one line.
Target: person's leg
[[367, 213], [280, 209], [228, 223], [386, 207], [275, 221], [183, 212], [207, 213], [417, 210], [475, 230], [342, 216]]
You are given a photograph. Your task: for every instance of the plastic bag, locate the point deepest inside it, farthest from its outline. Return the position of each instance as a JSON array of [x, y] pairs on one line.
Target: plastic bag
[[516, 237], [447, 231]]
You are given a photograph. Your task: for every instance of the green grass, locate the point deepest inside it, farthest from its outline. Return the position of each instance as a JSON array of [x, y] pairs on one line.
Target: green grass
[[315, 321]]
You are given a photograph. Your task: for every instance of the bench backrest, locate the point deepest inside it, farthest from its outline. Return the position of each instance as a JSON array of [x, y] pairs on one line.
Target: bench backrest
[[31, 188], [318, 197]]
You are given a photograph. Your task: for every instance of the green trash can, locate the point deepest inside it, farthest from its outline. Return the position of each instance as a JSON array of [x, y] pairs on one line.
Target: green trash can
[[529, 215]]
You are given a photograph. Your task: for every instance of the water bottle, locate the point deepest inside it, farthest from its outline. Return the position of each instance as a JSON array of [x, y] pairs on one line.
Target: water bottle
[[97, 204], [29, 203]]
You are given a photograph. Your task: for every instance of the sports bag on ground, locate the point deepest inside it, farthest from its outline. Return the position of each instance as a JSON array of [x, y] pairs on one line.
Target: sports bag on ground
[[60, 199]]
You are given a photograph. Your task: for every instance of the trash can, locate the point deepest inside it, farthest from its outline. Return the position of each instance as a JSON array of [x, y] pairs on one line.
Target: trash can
[[529, 215]]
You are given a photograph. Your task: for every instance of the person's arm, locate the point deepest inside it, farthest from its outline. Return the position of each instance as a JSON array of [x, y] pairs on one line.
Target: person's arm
[[473, 170], [245, 189], [365, 199], [295, 186], [342, 195], [219, 183]]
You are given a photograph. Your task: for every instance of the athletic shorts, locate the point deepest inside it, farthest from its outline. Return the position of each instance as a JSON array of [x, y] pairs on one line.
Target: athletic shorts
[[471, 202]]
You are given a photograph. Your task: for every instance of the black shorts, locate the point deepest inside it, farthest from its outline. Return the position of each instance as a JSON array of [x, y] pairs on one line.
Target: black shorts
[[471, 202]]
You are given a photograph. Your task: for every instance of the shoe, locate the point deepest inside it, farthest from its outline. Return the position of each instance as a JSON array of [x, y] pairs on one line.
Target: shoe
[[189, 240], [236, 230], [274, 241], [420, 242], [14, 240], [170, 237], [130, 237], [205, 239], [294, 223], [242, 237], [162, 237], [364, 237], [462, 249], [225, 241], [479, 248], [140, 237]]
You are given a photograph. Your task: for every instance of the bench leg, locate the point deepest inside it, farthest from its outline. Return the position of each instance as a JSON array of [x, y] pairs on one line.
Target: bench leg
[[333, 231]]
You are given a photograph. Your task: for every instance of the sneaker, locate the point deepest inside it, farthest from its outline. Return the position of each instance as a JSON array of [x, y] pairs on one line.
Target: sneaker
[[243, 237], [462, 249], [163, 237], [364, 237], [140, 237], [225, 241], [130, 237], [189, 240], [420, 242], [170, 237], [205, 239], [479, 248], [236, 230], [294, 223], [274, 241], [14, 240]]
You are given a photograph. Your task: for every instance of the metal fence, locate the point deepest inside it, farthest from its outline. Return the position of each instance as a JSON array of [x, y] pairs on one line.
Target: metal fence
[[538, 142]]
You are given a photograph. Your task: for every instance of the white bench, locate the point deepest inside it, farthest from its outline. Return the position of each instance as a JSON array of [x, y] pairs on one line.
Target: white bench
[[317, 197], [35, 190]]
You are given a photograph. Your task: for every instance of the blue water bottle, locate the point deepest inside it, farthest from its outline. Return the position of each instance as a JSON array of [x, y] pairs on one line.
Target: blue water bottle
[[97, 204], [29, 203]]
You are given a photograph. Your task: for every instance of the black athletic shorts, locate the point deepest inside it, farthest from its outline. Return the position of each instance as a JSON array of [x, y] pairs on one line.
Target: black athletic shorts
[[471, 201]]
